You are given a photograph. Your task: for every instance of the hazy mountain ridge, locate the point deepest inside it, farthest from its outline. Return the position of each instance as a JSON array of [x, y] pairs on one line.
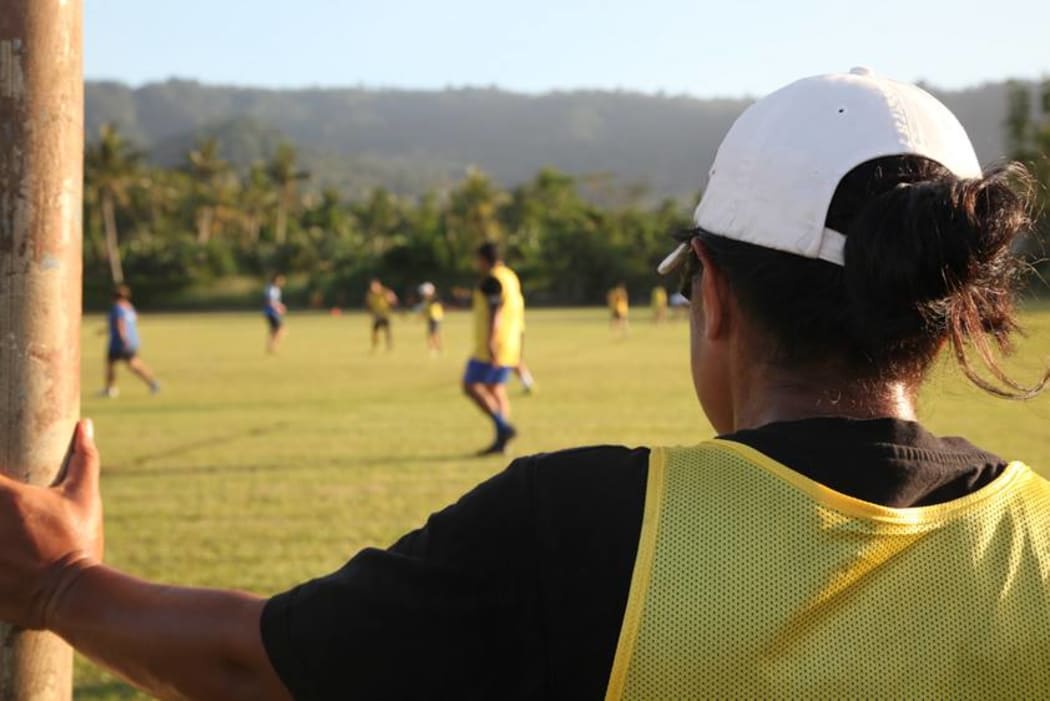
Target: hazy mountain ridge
[[410, 141]]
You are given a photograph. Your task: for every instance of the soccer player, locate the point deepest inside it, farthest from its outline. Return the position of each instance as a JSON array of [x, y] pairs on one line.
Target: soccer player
[[658, 299], [124, 344], [826, 544], [380, 301], [498, 312], [619, 306], [274, 311], [434, 313]]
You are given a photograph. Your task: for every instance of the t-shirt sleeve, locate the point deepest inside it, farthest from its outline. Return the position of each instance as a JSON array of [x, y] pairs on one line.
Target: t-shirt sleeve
[[493, 291], [448, 611]]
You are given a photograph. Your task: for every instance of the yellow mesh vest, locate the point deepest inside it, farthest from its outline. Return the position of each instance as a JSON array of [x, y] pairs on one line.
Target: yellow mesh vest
[[378, 304], [512, 312], [752, 580]]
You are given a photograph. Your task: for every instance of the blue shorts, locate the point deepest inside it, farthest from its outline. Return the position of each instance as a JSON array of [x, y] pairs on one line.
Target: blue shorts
[[116, 353], [480, 372], [274, 319]]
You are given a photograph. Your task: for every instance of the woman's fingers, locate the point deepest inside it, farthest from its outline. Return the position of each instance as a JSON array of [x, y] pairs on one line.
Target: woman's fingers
[[81, 480]]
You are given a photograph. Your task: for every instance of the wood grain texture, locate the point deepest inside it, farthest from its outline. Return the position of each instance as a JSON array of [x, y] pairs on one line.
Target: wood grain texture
[[41, 157]]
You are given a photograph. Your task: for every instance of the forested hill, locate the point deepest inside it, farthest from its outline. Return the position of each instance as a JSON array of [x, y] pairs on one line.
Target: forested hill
[[411, 141]]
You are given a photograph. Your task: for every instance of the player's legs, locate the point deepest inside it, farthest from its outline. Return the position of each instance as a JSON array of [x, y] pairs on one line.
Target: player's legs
[[274, 339], [110, 388], [143, 372], [482, 397], [434, 336], [275, 333], [375, 334], [499, 394], [389, 335], [505, 431], [485, 385]]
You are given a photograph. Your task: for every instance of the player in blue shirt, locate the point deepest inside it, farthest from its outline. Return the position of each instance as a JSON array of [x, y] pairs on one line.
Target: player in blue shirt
[[124, 343], [274, 312]]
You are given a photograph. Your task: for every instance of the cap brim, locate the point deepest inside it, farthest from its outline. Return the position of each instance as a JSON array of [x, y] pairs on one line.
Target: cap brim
[[678, 256]]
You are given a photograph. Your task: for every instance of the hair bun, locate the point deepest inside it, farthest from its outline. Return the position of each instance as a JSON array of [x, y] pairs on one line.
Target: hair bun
[[937, 255]]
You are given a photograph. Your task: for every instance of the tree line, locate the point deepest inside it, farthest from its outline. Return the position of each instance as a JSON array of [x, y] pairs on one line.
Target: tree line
[[162, 230], [166, 230]]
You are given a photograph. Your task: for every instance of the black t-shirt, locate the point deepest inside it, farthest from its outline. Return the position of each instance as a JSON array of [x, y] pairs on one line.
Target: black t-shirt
[[517, 590]]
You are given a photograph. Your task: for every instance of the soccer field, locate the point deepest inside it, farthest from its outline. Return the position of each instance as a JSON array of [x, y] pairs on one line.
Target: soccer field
[[258, 472]]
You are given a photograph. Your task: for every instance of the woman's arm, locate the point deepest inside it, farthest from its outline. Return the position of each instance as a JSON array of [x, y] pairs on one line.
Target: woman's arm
[[173, 642], [176, 643]]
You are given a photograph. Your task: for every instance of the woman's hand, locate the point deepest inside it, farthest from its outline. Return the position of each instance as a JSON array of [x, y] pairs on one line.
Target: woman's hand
[[49, 535]]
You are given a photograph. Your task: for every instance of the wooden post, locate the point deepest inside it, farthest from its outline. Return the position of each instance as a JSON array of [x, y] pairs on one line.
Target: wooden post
[[41, 181]]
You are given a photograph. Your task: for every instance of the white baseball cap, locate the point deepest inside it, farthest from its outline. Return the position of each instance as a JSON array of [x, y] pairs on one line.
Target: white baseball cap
[[778, 167]]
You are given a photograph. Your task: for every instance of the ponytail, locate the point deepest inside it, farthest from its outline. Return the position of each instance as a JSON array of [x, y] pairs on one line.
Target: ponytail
[[934, 260]]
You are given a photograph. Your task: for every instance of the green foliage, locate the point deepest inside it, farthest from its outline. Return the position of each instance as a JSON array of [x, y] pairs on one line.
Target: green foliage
[[192, 225], [1027, 127]]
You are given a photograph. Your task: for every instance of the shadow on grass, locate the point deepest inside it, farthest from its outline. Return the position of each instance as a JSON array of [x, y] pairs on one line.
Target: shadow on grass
[[133, 470], [210, 442], [105, 691]]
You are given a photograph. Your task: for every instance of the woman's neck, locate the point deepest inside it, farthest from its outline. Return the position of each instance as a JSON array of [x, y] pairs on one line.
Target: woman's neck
[[767, 395]]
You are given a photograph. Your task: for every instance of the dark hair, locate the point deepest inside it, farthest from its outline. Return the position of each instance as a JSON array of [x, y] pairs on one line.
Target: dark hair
[[929, 260], [122, 292], [489, 252]]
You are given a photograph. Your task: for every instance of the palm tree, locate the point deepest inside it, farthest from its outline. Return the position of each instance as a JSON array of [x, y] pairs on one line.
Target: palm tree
[[110, 165], [381, 218], [472, 215], [211, 184], [256, 198], [284, 175]]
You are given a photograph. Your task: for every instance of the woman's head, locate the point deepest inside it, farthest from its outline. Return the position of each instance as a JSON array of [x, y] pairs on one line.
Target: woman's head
[[910, 255]]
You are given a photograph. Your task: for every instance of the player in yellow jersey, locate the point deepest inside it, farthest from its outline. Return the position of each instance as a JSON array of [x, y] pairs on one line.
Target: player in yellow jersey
[[619, 307], [380, 301], [498, 313], [658, 301], [434, 313], [824, 545]]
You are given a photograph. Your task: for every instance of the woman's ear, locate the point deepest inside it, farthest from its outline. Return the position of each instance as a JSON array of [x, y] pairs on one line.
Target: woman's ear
[[713, 293]]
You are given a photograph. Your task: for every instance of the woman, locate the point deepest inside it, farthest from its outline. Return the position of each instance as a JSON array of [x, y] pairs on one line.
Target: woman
[[824, 545], [124, 344], [618, 302], [434, 313], [274, 311]]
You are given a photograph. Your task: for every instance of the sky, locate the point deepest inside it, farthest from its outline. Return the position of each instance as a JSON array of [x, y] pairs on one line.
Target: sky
[[732, 48]]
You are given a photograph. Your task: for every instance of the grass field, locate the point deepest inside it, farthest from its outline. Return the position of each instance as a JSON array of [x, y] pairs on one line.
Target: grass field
[[258, 472]]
